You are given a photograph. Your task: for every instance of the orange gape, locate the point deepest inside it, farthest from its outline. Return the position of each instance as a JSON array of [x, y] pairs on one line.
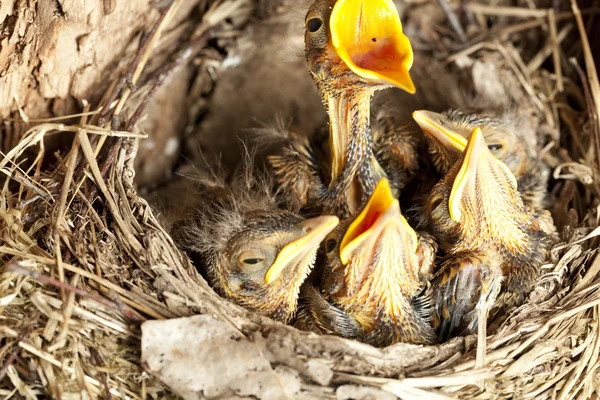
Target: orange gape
[[367, 36], [379, 58]]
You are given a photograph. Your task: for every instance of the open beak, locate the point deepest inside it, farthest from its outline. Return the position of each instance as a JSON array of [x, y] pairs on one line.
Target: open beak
[[380, 219], [367, 36], [436, 126], [477, 159], [312, 232]]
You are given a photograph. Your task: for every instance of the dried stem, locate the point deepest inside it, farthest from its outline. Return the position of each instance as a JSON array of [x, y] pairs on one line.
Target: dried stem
[[15, 267]]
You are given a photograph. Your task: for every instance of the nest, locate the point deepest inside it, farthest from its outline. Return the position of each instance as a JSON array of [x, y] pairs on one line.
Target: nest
[[86, 263]]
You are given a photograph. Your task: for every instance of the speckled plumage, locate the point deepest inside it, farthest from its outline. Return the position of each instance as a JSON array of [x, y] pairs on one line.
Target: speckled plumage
[[354, 169]]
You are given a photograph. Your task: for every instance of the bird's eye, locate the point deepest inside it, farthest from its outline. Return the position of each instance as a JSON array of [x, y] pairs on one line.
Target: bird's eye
[[314, 24], [435, 202], [330, 245], [252, 261], [494, 147]]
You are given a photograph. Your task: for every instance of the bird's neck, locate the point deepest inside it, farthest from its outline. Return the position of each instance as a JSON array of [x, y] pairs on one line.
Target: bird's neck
[[495, 223], [381, 282], [349, 136], [349, 119]]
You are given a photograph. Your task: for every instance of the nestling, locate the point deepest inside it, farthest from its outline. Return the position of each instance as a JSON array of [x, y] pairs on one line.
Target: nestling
[[372, 287], [254, 253], [487, 235], [302, 170], [353, 48], [447, 136]]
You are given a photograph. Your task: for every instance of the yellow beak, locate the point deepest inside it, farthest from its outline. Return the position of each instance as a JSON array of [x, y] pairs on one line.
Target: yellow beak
[[476, 156], [435, 125], [367, 36], [312, 232], [381, 212]]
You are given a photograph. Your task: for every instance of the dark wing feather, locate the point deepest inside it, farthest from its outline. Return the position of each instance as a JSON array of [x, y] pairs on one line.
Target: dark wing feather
[[465, 284], [318, 315]]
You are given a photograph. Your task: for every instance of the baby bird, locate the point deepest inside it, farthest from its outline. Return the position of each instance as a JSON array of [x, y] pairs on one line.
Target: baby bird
[[372, 286], [447, 136], [254, 253], [487, 235], [353, 48]]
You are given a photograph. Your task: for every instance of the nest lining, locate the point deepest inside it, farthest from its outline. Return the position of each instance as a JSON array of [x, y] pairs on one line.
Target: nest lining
[[86, 260]]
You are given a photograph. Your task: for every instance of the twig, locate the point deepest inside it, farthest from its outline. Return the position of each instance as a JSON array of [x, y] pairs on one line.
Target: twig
[[453, 20], [183, 56], [554, 320], [151, 308], [15, 352], [548, 49], [108, 196], [29, 184], [33, 349], [62, 202], [99, 362], [128, 77], [14, 266], [133, 72], [482, 315], [514, 62], [592, 76], [594, 123], [521, 12], [145, 55], [555, 51], [59, 118], [163, 74]]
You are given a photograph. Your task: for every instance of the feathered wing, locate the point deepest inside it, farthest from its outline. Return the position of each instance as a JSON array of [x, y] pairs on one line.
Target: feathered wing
[[317, 315], [466, 283], [524, 271]]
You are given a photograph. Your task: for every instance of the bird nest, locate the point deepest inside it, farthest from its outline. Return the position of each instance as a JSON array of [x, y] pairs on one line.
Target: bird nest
[[90, 278]]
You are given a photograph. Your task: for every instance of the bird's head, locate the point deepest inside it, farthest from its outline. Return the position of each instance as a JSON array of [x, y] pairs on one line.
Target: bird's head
[[374, 260], [447, 136], [255, 253], [357, 43], [353, 48], [477, 202], [263, 264]]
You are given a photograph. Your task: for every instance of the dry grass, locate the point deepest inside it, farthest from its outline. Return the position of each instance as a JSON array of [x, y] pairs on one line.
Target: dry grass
[[85, 260]]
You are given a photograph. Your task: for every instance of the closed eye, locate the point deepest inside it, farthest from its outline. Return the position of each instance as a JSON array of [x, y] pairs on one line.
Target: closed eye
[[252, 261]]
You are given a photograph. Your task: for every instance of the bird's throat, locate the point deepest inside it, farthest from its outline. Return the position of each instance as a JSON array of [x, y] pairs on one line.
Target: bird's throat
[[349, 115], [349, 128]]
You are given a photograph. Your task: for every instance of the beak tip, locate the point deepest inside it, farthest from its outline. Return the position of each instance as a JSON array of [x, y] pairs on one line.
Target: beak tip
[[316, 229], [419, 116], [411, 88]]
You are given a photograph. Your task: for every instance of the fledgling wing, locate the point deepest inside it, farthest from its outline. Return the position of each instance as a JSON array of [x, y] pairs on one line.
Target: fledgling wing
[[297, 172], [317, 315], [395, 147], [524, 270], [465, 284]]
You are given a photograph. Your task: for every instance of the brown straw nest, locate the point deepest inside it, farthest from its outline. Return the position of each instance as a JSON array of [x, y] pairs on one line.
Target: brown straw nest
[[85, 262]]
